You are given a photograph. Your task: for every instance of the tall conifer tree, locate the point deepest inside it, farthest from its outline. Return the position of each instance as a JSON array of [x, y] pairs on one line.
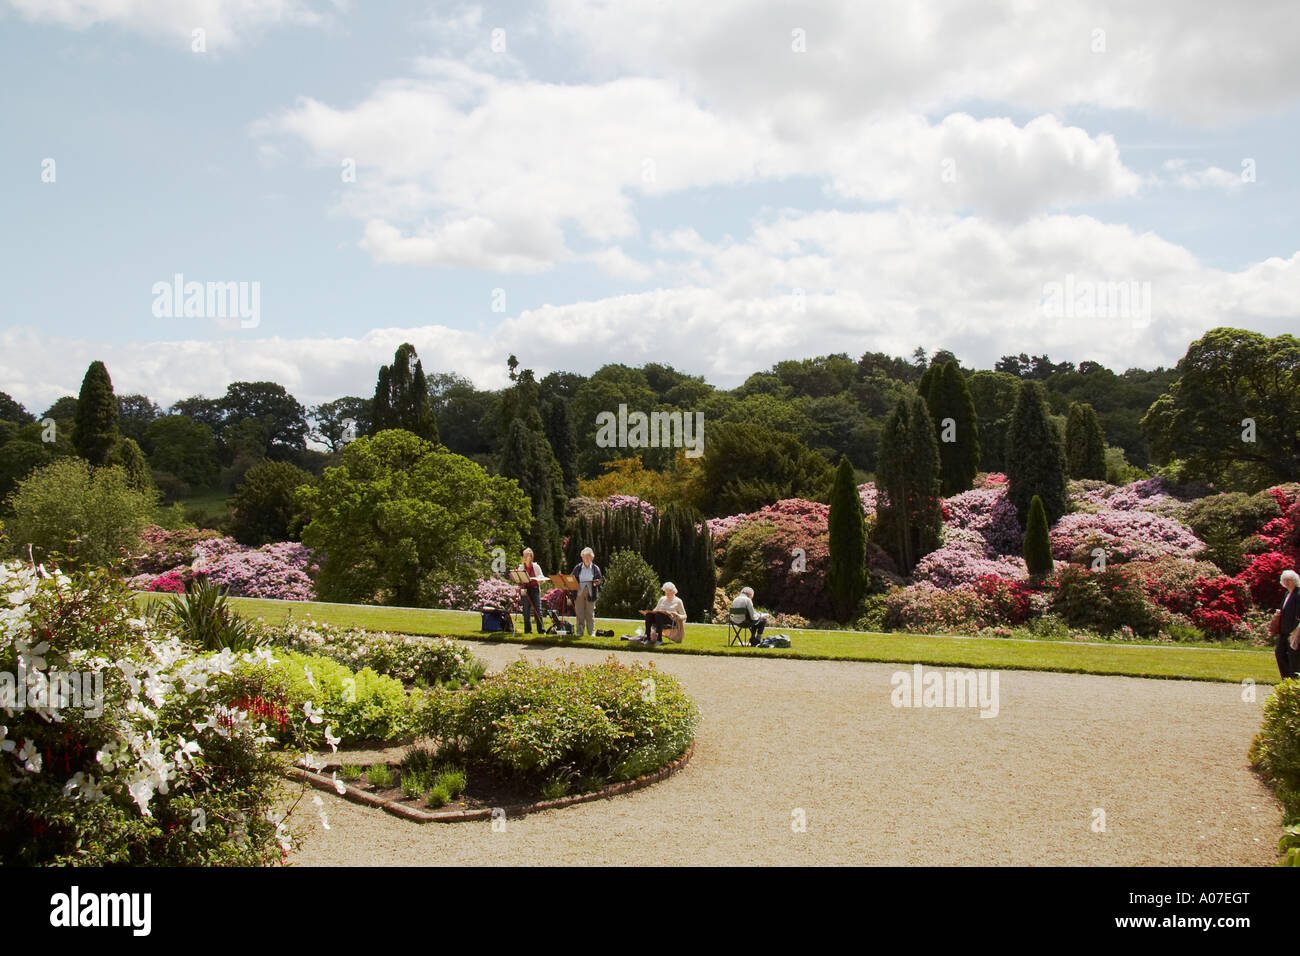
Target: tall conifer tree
[[1035, 456], [94, 432]]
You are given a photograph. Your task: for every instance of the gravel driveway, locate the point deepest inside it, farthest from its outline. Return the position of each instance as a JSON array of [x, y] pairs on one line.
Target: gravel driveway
[[819, 743]]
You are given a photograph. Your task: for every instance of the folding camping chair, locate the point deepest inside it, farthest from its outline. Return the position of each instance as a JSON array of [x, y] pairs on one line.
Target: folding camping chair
[[738, 623]]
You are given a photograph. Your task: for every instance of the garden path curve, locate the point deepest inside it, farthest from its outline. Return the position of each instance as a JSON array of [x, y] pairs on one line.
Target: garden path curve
[[875, 784]]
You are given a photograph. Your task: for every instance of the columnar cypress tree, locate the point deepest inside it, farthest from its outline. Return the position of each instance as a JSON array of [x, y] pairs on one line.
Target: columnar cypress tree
[[1035, 456], [679, 547], [94, 431], [526, 456], [559, 432], [925, 387], [1085, 443], [910, 510], [1038, 543], [950, 398], [402, 397], [847, 574]]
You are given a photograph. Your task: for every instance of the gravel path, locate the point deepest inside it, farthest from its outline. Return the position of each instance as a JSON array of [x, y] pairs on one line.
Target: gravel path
[[784, 740]]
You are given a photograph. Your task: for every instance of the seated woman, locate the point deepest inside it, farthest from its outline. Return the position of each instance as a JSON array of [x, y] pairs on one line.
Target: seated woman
[[668, 618]]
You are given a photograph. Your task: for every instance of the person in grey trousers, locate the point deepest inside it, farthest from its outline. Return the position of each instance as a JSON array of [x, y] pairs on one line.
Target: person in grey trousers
[[589, 577]]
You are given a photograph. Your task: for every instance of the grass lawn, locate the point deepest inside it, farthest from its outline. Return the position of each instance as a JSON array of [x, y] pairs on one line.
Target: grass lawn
[[1133, 660]]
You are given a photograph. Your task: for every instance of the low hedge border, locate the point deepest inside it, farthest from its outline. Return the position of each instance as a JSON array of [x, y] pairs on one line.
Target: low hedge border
[[397, 809]]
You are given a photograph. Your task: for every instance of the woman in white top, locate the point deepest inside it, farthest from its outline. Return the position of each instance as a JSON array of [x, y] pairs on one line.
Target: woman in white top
[[669, 614]]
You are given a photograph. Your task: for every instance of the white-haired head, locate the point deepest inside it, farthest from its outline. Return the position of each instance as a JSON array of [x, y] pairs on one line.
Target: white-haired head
[[1291, 578], [669, 586], [747, 591], [587, 553]]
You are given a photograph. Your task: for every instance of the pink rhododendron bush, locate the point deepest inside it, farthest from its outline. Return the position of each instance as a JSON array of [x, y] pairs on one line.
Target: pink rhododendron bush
[[782, 552], [989, 603], [1123, 535], [282, 571], [489, 592], [951, 567], [1157, 495], [989, 513], [156, 737]]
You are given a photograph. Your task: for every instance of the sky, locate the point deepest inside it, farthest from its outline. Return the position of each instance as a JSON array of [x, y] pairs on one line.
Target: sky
[[717, 186]]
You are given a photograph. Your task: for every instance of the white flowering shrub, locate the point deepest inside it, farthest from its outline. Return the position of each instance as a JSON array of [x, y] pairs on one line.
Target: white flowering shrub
[[159, 765]]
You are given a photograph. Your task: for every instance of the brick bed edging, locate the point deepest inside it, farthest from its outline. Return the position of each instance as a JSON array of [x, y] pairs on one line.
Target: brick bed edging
[[357, 795]]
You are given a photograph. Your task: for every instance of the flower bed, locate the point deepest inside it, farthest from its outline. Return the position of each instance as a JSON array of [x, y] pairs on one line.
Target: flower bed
[[174, 771], [410, 660]]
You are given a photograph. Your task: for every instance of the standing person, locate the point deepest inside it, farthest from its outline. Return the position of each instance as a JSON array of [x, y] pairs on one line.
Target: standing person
[[532, 594], [589, 577], [669, 614], [1288, 659]]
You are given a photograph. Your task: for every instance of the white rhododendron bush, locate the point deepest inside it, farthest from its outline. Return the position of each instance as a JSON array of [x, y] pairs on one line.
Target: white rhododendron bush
[[119, 743]]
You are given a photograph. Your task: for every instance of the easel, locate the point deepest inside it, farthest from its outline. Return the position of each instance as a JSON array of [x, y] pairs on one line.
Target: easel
[[519, 576], [570, 586]]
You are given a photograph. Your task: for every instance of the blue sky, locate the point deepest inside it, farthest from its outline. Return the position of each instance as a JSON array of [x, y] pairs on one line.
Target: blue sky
[[719, 187]]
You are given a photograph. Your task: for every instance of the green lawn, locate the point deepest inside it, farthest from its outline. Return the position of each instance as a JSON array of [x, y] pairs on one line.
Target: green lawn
[[1134, 660]]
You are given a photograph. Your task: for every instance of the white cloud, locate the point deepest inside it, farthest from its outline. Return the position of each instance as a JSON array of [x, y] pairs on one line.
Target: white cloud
[[224, 22], [463, 168], [1198, 60], [884, 281], [1184, 175]]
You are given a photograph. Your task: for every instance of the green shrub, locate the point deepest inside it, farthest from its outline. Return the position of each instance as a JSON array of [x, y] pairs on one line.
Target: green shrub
[[202, 617], [743, 560], [438, 796], [1225, 521], [1105, 601], [380, 776], [1038, 544], [356, 707], [350, 772], [453, 781], [557, 787], [630, 586], [1275, 751], [264, 506], [603, 720], [92, 515]]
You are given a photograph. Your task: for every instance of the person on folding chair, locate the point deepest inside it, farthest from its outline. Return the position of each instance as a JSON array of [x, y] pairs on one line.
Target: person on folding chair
[[744, 614], [668, 619]]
